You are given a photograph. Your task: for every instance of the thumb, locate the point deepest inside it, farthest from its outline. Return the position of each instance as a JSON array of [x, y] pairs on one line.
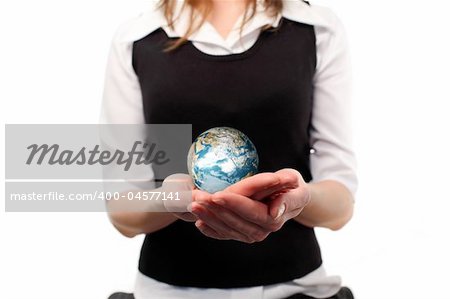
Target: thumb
[[179, 188], [277, 207], [178, 182], [290, 203]]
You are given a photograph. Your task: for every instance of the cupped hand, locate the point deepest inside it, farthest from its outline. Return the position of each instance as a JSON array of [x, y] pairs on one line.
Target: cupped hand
[[251, 209], [182, 184]]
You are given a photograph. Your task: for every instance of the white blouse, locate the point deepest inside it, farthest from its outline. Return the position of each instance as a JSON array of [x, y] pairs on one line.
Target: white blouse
[[332, 157]]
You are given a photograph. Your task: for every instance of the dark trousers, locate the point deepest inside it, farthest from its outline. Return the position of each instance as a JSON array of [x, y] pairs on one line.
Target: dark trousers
[[344, 293]]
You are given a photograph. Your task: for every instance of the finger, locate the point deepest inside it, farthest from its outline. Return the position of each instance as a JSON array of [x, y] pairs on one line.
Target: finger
[[231, 219], [278, 189], [277, 207], [251, 210], [217, 224], [289, 204], [289, 175], [297, 198], [251, 185], [288, 179], [184, 199], [178, 182], [177, 202], [262, 185], [188, 217], [179, 186], [208, 231], [200, 195]]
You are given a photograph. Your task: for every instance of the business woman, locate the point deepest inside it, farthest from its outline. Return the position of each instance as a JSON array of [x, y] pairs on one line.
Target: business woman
[[278, 71]]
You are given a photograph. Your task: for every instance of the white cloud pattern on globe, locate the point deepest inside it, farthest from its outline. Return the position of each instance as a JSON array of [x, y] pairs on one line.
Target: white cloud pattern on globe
[[220, 157]]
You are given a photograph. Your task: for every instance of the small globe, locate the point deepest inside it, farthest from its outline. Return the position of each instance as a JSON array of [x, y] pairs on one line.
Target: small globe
[[221, 157]]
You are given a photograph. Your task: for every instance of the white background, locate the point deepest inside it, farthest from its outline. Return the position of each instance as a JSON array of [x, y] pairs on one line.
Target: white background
[[52, 61]]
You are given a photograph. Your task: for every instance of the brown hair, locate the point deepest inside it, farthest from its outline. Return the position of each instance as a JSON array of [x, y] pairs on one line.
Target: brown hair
[[200, 10]]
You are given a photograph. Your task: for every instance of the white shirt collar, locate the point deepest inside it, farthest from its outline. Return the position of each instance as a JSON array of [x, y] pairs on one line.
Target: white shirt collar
[[295, 10], [209, 35]]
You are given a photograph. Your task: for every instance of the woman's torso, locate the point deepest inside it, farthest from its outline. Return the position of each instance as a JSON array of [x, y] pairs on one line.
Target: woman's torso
[[265, 92]]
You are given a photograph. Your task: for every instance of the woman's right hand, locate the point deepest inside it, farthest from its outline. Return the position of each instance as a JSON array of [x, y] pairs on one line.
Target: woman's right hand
[[132, 218], [181, 183]]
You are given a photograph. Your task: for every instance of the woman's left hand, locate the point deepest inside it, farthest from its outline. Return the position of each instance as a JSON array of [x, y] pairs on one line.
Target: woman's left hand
[[251, 209]]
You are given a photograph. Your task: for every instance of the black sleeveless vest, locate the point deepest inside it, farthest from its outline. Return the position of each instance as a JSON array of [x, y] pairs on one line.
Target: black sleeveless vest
[[265, 92]]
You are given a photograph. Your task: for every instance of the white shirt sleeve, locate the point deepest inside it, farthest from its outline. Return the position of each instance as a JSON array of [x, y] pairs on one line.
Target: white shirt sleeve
[[122, 98], [122, 104], [332, 157]]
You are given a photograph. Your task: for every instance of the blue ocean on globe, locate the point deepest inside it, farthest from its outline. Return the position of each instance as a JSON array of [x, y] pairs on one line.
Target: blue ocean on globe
[[220, 157]]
